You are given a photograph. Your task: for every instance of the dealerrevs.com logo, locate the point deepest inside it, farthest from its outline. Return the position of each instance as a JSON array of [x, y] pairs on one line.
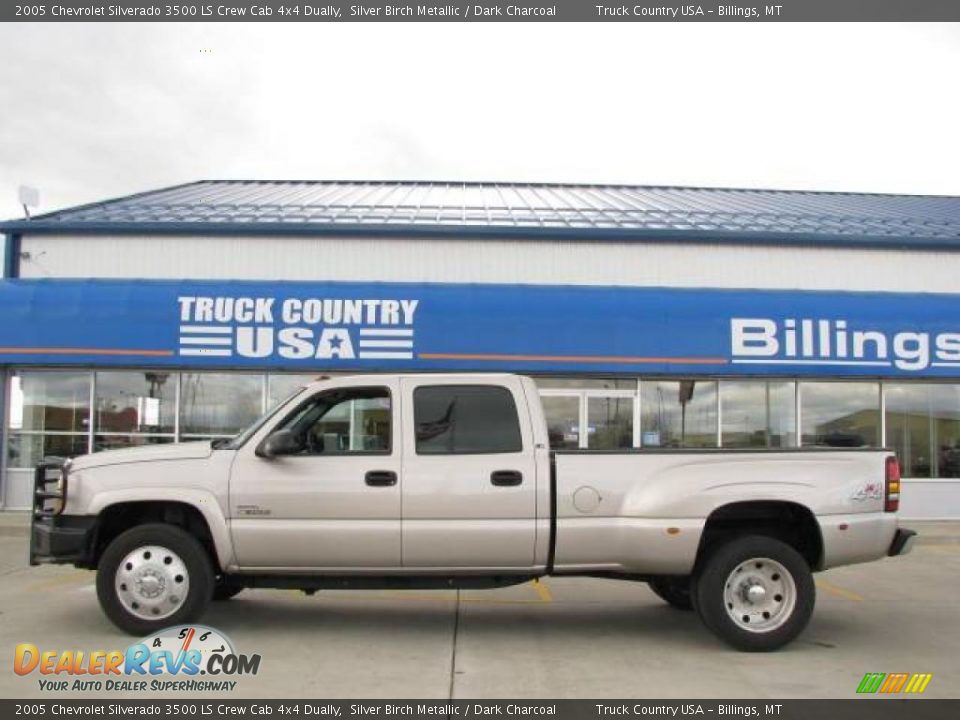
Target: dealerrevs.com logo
[[173, 659]]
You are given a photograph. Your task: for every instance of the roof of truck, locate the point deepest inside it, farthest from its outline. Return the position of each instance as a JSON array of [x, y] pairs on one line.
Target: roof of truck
[[521, 210]]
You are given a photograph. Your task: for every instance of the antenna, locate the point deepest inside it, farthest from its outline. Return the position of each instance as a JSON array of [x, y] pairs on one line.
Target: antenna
[[29, 197]]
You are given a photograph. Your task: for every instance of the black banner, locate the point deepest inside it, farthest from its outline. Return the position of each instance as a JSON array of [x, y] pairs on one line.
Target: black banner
[[877, 708], [484, 11]]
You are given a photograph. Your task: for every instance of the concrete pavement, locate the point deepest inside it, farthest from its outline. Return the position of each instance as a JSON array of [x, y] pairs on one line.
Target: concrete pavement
[[566, 637]]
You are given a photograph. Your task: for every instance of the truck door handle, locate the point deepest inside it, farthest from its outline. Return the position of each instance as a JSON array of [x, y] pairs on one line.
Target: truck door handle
[[381, 478], [506, 478]]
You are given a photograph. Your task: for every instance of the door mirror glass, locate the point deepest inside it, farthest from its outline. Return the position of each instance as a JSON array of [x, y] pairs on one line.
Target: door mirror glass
[[282, 442]]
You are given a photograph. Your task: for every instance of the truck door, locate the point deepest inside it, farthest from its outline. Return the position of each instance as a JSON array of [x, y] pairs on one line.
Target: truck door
[[470, 475], [335, 503]]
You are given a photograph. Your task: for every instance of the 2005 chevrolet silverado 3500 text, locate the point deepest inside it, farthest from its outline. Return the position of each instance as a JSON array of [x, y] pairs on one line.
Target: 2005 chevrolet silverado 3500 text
[[449, 481]]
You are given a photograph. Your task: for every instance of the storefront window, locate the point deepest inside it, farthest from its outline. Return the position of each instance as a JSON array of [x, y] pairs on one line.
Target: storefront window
[[678, 413], [281, 386], [609, 423], [218, 404], [585, 383], [136, 402], [118, 442], [26, 450], [758, 414], [840, 414], [49, 417], [49, 413], [563, 421], [50, 402], [923, 426]]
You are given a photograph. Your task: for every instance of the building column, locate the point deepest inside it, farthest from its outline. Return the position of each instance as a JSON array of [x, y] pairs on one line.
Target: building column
[[4, 414], [7, 261]]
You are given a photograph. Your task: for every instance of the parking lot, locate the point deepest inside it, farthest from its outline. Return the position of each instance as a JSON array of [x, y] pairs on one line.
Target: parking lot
[[560, 638]]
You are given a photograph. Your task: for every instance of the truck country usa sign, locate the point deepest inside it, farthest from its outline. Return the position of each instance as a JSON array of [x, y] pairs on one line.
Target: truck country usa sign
[[506, 328], [296, 329]]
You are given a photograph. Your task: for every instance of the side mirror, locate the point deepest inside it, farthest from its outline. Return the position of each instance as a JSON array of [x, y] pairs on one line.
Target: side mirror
[[282, 442]]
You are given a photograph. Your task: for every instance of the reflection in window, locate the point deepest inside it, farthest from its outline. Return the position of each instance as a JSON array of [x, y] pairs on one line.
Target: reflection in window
[[339, 422], [563, 421], [49, 417], [758, 414], [840, 414], [136, 402], [282, 385], [50, 401], [213, 404], [585, 383], [609, 423], [678, 413], [118, 442], [923, 426], [25, 450]]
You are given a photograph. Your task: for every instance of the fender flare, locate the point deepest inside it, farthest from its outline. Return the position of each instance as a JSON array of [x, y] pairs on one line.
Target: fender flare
[[202, 501]]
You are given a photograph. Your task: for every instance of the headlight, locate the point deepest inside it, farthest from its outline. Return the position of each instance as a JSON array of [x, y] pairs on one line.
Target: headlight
[[49, 489], [62, 486]]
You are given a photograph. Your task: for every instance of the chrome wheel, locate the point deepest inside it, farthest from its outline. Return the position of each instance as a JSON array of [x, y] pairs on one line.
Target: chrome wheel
[[760, 595], [152, 582]]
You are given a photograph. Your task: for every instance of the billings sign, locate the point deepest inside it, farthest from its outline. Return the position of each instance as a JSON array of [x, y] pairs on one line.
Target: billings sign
[[841, 343], [296, 328]]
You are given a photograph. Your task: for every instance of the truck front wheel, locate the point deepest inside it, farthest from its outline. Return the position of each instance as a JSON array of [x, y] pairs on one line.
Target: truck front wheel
[[755, 592], [153, 576]]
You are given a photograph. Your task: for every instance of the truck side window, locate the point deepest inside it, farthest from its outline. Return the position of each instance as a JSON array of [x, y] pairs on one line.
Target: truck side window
[[465, 419], [343, 422]]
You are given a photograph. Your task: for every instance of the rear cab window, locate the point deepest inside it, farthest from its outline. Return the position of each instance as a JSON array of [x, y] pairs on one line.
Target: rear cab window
[[465, 420]]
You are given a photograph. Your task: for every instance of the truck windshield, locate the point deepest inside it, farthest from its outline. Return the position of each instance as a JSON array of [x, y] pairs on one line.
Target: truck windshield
[[238, 440]]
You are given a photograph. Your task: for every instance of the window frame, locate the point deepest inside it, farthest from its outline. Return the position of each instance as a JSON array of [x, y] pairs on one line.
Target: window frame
[[361, 453]]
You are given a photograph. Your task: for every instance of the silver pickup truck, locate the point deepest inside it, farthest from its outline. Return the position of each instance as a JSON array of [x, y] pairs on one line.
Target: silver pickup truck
[[413, 481]]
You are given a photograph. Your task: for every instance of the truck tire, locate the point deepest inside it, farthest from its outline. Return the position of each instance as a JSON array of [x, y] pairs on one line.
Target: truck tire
[[755, 592], [153, 576], [675, 591]]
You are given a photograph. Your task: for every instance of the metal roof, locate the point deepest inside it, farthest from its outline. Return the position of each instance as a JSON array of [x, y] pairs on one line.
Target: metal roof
[[619, 212]]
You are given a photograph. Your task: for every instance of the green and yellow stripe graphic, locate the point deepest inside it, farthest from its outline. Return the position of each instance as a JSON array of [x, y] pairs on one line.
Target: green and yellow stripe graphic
[[894, 683]]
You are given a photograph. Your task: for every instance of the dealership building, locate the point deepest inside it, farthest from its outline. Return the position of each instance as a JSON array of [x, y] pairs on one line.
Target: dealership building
[[651, 317]]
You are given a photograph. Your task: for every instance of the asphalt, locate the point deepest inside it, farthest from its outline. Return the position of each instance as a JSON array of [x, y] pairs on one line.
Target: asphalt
[[564, 637]]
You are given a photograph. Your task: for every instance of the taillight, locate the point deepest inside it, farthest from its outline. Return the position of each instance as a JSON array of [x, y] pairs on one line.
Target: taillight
[[892, 495]]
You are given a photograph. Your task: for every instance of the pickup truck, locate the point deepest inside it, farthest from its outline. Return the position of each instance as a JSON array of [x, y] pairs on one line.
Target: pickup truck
[[448, 481]]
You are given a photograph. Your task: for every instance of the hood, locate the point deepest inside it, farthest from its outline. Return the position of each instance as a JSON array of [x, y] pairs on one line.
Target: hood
[[145, 453]]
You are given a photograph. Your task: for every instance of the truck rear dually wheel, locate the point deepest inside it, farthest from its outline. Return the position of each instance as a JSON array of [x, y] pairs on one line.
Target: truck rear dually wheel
[[154, 576], [755, 592]]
